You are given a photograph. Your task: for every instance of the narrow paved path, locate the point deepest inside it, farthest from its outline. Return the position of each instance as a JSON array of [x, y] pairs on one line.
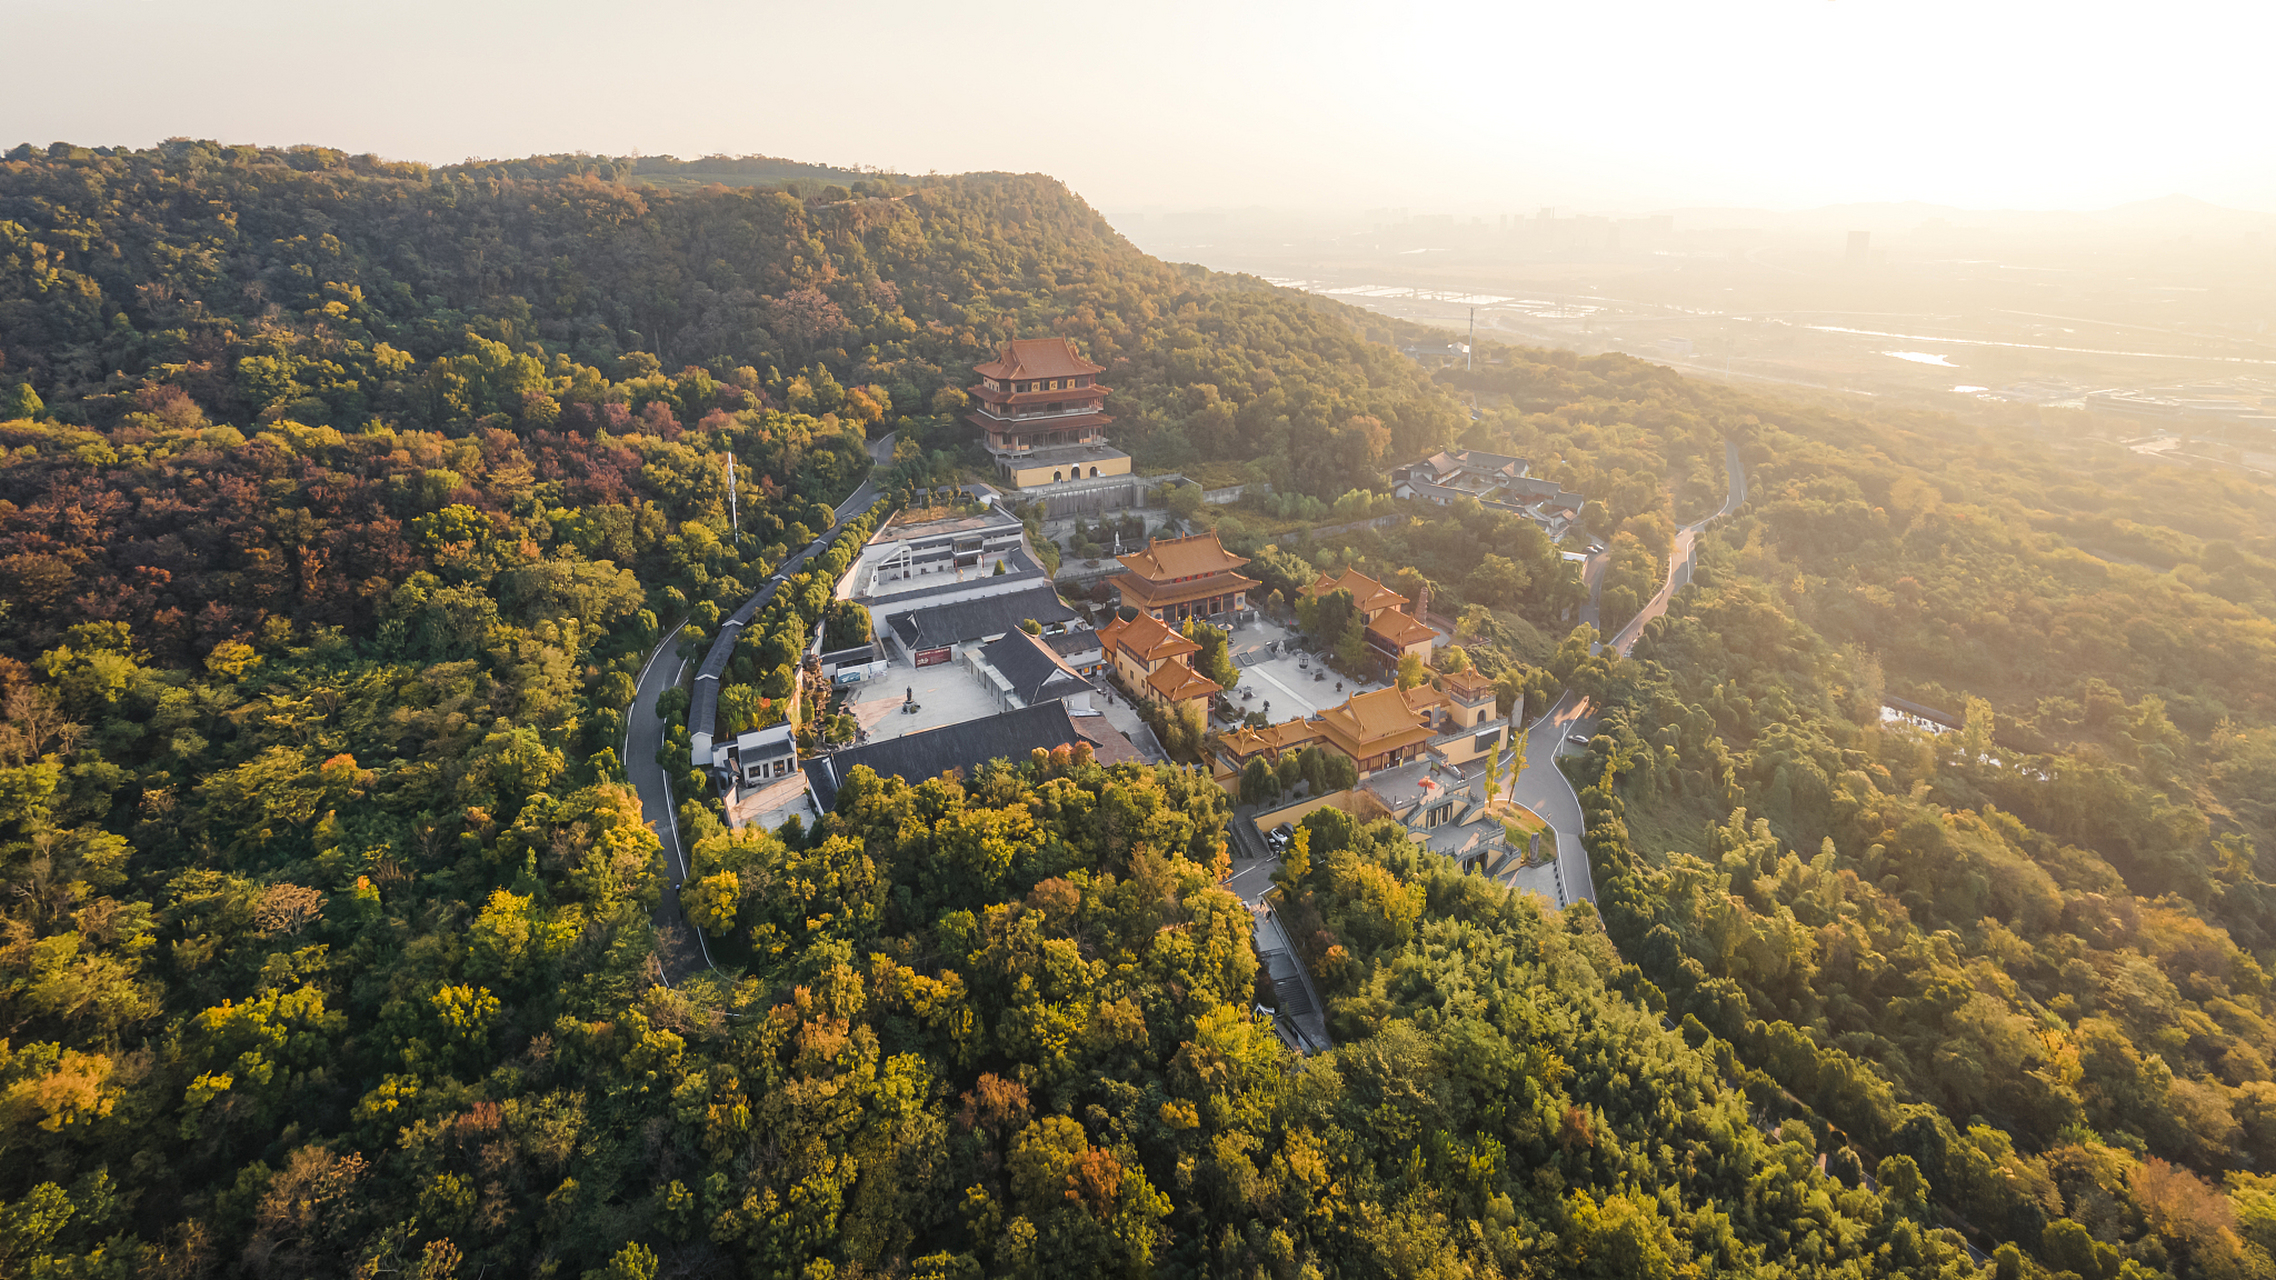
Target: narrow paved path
[[1543, 787], [1684, 556], [644, 736]]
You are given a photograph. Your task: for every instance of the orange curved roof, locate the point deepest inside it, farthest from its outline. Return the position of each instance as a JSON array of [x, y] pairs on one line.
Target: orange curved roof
[[1177, 682], [1037, 358], [1368, 724], [1244, 742], [1470, 686], [1146, 638], [1399, 629], [1167, 559], [1366, 593]]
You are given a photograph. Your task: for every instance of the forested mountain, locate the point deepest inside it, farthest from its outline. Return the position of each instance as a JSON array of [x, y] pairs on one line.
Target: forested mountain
[[2030, 954], [325, 288], [341, 502]]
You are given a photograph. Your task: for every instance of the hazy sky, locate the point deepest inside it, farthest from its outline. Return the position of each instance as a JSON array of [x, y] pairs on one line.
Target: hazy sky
[[1476, 108]]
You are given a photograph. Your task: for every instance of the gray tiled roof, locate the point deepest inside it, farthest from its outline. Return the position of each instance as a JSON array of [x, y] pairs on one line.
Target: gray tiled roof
[[919, 756], [1069, 643], [1035, 671], [966, 620]]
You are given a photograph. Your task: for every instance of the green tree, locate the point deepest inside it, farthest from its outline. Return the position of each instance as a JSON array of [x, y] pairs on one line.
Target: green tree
[[19, 402], [1351, 642], [1258, 782], [779, 683], [1182, 500], [1215, 659], [1411, 671]]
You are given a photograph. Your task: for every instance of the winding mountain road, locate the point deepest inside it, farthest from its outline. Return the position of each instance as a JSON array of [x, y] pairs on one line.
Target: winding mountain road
[[644, 737], [1543, 787]]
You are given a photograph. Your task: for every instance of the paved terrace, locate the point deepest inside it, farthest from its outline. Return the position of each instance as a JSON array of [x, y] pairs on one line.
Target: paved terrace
[[1422, 780], [946, 694], [1286, 680]]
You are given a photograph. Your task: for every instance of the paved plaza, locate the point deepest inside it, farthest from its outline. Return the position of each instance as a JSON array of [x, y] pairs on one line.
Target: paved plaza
[[945, 694], [1288, 680]]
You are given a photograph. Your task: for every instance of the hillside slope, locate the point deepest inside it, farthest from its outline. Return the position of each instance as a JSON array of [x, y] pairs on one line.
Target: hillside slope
[[322, 287], [340, 504]]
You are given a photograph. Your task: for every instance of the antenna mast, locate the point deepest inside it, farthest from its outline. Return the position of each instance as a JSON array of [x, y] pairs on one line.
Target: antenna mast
[[734, 517]]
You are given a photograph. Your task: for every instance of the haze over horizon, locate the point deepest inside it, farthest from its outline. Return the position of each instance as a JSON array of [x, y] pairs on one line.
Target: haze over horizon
[[1619, 642], [1783, 106]]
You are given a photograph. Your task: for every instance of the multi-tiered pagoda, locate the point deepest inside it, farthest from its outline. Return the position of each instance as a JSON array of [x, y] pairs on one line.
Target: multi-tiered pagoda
[[1178, 578], [1039, 407]]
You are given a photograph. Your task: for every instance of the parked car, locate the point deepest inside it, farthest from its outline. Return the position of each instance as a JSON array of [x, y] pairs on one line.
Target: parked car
[[1279, 838], [1576, 739]]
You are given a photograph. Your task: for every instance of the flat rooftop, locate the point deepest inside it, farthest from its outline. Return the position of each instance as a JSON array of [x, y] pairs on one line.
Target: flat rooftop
[[1061, 454], [771, 804], [945, 694], [935, 522], [1129, 723], [1419, 779], [877, 589]]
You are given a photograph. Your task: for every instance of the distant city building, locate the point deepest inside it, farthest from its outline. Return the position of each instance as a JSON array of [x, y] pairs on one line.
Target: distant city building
[[2241, 400], [1040, 410], [2041, 391]]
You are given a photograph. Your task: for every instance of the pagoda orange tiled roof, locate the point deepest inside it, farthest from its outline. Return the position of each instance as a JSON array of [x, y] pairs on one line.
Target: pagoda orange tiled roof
[[1156, 595], [1469, 686], [1169, 559], [1177, 682], [1399, 629], [1422, 701], [1037, 358], [1369, 724], [1366, 592], [1245, 742], [1146, 638]]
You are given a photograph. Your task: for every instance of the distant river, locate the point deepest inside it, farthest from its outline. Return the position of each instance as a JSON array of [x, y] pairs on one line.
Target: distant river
[[2026, 346]]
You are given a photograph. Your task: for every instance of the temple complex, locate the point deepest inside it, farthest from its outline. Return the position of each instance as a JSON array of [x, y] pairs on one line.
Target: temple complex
[[1151, 657], [1385, 728], [1178, 578], [1392, 632], [1039, 408]]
